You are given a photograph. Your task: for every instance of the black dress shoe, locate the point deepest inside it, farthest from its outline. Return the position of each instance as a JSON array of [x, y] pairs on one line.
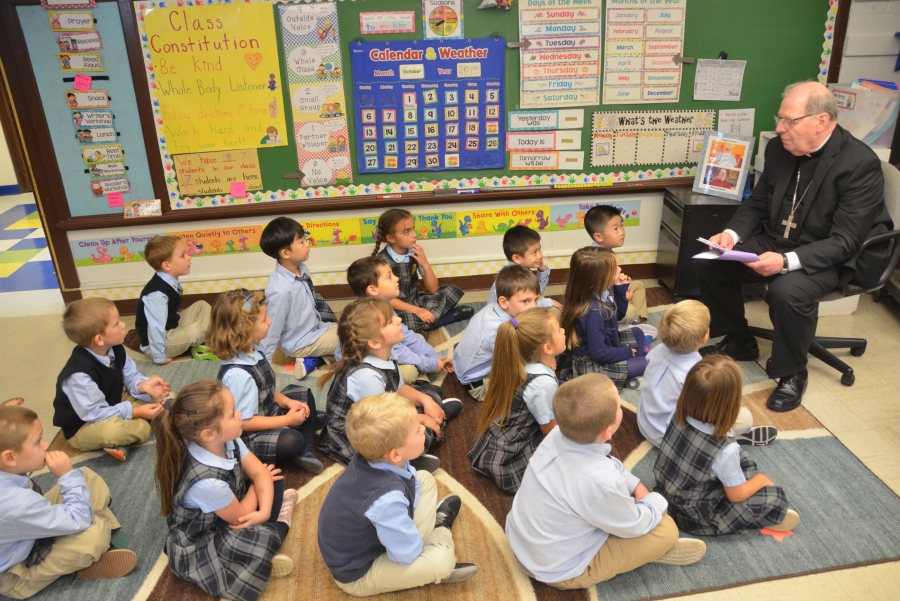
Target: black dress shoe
[[727, 346], [789, 393], [447, 510]]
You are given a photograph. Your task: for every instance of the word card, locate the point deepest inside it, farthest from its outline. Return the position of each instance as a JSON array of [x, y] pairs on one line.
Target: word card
[[649, 137]]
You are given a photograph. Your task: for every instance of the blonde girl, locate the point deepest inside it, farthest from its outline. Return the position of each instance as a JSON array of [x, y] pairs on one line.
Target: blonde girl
[[518, 407], [712, 485], [277, 425], [224, 534]]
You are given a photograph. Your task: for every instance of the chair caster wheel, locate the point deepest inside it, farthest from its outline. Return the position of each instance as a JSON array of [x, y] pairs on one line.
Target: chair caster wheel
[[858, 352], [848, 379]]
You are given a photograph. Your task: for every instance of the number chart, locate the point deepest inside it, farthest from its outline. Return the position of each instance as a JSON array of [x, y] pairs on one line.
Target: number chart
[[429, 106]]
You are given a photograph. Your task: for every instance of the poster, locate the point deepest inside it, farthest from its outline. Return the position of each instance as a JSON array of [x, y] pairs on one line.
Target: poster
[[207, 173], [642, 36], [561, 67], [719, 79], [571, 216], [377, 23], [490, 222], [85, 61], [429, 106], [442, 19], [333, 232], [216, 73], [649, 137], [312, 47], [221, 240], [737, 121]]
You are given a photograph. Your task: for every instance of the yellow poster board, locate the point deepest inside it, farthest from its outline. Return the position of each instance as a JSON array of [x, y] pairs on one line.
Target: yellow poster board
[[205, 173], [217, 76]]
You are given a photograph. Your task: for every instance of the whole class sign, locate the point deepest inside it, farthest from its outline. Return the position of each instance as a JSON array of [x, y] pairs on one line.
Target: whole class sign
[[217, 76]]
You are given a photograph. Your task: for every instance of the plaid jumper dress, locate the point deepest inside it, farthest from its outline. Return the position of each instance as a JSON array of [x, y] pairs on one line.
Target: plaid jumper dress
[[578, 365], [262, 443], [503, 452], [333, 441], [202, 549], [438, 303], [697, 500]]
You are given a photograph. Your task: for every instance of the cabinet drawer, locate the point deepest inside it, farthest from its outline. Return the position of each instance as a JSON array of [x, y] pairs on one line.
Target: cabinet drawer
[[672, 216]]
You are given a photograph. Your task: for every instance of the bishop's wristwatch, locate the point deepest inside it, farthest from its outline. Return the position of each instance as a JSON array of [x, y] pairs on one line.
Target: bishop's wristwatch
[[784, 269]]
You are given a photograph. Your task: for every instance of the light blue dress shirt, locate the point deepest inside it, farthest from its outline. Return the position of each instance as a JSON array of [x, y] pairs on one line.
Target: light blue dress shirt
[[88, 400], [543, 279], [156, 310], [26, 516], [539, 394], [412, 350], [404, 258], [727, 464], [573, 496], [241, 385], [292, 308], [389, 514], [473, 355], [663, 380], [368, 382], [210, 494]]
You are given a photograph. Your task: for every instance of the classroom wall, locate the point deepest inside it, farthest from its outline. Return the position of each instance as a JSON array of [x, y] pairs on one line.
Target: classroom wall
[[870, 47], [7, 173]]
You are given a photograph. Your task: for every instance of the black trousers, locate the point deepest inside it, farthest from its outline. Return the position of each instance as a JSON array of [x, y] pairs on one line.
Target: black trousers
[[792, 299]]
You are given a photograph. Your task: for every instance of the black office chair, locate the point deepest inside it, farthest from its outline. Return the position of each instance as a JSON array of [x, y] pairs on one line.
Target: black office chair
[[821, 344]]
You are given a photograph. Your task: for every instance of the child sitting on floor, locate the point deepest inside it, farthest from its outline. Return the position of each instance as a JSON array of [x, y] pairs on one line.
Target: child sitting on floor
[[580, 517], [276, 425], [420, 310], [517, 290], [65, 530], [90, 406], [522, 246], [368, 330], [227, 512], [683, 329], [590, 319], [518, 408], [712, 485], [381, 527], [165, 333]]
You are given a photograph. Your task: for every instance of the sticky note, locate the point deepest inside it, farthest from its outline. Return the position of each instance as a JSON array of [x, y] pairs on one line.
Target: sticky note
[[239, 189], [114, 199], [82, 82]]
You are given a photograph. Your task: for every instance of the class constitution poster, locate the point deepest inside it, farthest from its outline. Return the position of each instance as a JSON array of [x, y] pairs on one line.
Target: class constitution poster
[[217, 76]]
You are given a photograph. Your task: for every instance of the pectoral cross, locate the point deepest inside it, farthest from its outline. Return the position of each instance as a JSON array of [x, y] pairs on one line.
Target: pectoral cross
[[788, 224]]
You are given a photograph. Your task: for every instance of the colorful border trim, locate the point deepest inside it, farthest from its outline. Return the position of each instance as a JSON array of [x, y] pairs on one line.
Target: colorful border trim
[[830, 20]]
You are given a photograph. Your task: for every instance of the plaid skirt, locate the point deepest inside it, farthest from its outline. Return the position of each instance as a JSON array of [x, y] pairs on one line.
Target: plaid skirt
[[439, 303], [578, 365], [263, 443]]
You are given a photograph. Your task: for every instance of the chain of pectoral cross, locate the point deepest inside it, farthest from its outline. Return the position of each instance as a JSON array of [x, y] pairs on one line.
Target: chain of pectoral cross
[[789, 222]]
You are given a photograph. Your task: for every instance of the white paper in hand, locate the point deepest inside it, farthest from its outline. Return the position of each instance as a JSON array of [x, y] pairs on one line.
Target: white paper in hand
[[724, 254]]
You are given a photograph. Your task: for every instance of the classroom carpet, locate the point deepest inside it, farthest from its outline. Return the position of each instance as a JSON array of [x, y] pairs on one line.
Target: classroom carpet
[[843, 506]]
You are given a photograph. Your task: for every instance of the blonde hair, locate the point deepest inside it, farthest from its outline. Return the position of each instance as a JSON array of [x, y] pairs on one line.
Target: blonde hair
[[683, 326], [591, 270], [160, 249], [377, 424], [360, 322], [585, 407], [712, 394], [15, 426], [513, 348], [87, 318], [231, 325]]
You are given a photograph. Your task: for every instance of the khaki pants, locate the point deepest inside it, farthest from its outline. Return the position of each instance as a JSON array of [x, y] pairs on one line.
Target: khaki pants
[[191, 330], [436, 562], [112, 432], [620, 555], [325, 346], [479, 393], [409, 373], [638, 306], [69, 553], [743, 422]]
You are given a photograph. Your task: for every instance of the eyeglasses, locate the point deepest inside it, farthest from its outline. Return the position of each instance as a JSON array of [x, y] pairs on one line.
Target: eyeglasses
[[790, 122]]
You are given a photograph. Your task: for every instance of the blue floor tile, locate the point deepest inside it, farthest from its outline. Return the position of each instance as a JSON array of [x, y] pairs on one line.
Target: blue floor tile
[[15, 234], [37, 275], [29, 244], [9, 217]]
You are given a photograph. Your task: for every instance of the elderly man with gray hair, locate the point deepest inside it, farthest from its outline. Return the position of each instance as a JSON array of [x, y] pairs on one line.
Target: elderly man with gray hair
[[820, 196]]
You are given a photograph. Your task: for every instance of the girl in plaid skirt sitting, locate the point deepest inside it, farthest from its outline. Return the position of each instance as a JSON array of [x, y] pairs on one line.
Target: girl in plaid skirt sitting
[[712, 485], [591, 320], [224, 532], [518, 407]]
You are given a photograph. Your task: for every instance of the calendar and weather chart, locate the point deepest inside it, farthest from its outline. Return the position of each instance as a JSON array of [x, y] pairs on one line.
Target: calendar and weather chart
[[429, 105]]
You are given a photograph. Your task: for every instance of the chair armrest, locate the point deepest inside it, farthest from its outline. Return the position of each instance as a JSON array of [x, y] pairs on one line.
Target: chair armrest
[[878, 240]]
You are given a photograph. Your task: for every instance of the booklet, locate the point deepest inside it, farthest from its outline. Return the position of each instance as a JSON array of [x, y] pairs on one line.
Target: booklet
[[724, 254]]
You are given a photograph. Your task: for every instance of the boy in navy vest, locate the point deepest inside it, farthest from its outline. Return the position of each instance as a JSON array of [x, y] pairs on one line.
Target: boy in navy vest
[[90, 406], [164, 332], [381, 528]]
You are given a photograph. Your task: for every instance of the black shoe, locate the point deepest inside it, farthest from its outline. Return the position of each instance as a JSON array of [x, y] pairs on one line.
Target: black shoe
[[451, 407], [426, 462], [460, 313], [447, 510], [320, 420], [748, 351], [789, 392], [308, 461], [460, 573]]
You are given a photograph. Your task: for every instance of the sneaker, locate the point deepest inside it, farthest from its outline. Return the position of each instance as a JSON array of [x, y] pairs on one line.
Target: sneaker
[[282, 565], [203, 353], [300, 369], [447, 510], [633, 384], [452, 407], [685, 552], [461, 572], [789, 522], [426, 462], [118, 453], [112, 564], [460, 313], [757, 436], [287, 506], [308, 460]]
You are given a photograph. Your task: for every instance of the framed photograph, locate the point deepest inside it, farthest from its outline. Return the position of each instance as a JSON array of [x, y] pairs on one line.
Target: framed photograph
[[724, 165]]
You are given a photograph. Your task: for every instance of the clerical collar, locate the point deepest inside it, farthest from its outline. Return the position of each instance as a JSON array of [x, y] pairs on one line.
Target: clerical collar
[[818, 151]]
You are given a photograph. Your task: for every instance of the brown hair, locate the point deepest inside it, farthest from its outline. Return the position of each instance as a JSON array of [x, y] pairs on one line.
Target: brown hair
[[379, 423], [585, 407], [712, 394], [199, 406], [513, 348], [387, 223], [360, 322], [683, 326], [515, 278], [363, 273], [591, 270], [231, 325], [159, 250], [86, 318], [15, 426]]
